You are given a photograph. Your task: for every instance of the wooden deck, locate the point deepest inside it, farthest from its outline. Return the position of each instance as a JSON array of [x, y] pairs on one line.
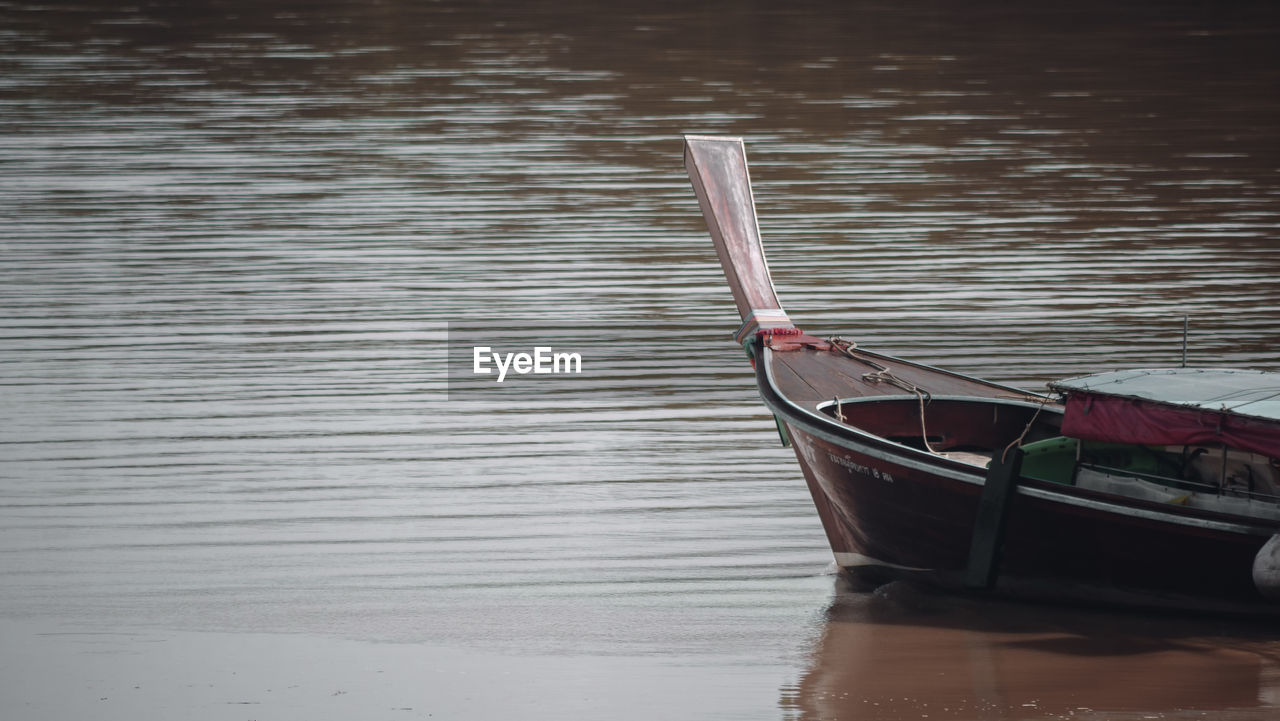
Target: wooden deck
[[809, 375]]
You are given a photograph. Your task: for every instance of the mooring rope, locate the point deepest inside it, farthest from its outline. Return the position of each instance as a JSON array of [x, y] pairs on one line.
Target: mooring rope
[[1017, 442], [882, 374]]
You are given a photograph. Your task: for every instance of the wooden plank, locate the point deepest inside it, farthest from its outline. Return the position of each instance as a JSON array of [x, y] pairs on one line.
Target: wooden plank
[[717, 168], [815, 376], [990, 523]]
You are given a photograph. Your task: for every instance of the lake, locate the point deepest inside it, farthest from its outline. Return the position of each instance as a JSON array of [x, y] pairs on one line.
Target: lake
[[241, 241]]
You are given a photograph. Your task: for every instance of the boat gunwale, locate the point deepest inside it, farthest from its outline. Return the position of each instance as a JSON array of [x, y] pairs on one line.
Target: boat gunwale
[[930, 398]]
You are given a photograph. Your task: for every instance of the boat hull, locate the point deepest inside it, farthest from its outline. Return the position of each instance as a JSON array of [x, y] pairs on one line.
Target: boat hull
[[887, 515]]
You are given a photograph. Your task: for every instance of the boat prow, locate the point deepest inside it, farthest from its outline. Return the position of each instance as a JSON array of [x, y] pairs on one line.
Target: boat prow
[[718, 168]]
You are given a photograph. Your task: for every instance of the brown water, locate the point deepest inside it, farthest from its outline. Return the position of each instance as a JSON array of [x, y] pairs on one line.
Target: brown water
[[234, 236]]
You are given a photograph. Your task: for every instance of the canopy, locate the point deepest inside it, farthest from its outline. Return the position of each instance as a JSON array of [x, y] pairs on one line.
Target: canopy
[[1176, 406]]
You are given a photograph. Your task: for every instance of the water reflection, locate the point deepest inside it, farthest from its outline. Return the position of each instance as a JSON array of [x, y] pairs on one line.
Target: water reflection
[[903, 653]]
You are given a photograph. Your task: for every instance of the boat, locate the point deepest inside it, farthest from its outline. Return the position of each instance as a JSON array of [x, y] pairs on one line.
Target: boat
[[1150, 488]]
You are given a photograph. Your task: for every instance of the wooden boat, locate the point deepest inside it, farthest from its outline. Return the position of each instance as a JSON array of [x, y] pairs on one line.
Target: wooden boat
[[1151, 488]]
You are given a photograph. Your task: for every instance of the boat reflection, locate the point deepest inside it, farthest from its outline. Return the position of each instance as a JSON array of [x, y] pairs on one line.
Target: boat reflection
[[903, 653]]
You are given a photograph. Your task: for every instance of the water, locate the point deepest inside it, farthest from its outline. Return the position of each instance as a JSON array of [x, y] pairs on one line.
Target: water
[[235, 237]]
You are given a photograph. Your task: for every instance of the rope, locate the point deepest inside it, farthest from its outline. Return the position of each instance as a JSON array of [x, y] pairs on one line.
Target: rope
[[924, 432], [882, 374], [1018, 441]]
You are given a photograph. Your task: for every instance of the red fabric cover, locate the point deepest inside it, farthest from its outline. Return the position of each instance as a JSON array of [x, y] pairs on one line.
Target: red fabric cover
[[1130, 420], [793, 339]]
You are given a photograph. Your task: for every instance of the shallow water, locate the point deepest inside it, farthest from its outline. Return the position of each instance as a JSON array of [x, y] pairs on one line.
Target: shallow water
[[236, 237]]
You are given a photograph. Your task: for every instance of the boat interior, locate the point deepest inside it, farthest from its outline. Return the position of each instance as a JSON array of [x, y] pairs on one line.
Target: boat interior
[[972, 430], [1212, 478], [968, 429]]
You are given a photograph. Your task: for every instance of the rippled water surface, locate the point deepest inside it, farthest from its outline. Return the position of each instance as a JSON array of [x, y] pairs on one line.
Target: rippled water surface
[[236, 236]]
